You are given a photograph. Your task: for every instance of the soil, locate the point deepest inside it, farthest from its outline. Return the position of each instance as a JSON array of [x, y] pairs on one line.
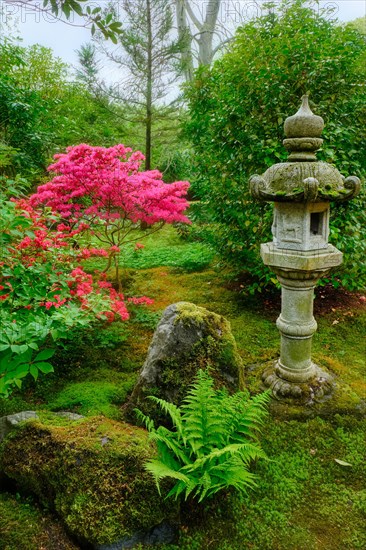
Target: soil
[[327, 299]]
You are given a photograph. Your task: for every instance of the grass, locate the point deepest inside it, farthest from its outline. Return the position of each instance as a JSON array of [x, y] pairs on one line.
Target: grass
[[162, 249], [304, 499]]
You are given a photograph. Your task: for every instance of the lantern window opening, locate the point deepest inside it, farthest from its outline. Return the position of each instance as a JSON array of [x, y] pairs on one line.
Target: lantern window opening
[[316, 223]]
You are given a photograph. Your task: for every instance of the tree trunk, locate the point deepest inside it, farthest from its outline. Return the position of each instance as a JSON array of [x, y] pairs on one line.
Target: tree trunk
[[205, 41], [149, 84], [185, 37]]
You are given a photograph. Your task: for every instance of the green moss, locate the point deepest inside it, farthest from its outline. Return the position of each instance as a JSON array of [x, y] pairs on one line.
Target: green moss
[[91, 473], [304, 498], [24, 526], [92, 398], [217, 340]]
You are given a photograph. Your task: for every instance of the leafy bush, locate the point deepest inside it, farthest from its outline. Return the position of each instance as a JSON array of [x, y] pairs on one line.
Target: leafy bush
[[44, 292], [237, 110], [213, 443]]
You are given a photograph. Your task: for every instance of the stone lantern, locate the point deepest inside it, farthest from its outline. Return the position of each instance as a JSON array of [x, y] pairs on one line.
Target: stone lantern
[[301, 189]]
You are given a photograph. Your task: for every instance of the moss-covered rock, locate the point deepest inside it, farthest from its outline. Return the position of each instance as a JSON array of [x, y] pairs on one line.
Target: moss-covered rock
[[188, 338], [91, 472]]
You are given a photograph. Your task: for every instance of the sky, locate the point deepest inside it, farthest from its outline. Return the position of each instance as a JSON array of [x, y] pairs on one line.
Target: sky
[[65, 39]]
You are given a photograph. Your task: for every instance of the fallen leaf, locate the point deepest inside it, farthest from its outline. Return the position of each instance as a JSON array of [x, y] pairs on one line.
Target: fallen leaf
[[342, 462]]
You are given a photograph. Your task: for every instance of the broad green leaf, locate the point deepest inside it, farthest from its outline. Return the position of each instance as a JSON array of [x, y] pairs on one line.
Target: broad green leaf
[[46, 368], [44, 354], [34, 371]]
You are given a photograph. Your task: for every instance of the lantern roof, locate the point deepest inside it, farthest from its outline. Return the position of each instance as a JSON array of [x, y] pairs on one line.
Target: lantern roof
[[302, 178]]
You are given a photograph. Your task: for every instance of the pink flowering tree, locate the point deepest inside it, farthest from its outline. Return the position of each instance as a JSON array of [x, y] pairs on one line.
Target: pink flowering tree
[[105, 189]]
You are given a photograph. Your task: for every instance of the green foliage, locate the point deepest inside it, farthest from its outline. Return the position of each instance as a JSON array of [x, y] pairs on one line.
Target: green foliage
[[16, 187], [237, 110], [42, 111], [148, 319], [108, 336], [359, 24], [347, 233], [22, 113], [106, 23], [16, 364], [213, 443]]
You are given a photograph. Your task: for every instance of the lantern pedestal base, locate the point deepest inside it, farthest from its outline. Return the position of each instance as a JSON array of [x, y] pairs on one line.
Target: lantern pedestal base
[[314, 390]]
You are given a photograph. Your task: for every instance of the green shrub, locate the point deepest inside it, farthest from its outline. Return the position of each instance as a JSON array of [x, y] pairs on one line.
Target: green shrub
[[237, 111], [213, 443]]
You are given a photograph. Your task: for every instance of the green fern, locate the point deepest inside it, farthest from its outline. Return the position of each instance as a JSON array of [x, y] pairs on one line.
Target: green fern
[[213, 442]]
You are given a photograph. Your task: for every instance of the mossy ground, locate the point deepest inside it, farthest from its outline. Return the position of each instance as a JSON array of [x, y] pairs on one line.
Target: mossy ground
[[304, 498], [24, 526]]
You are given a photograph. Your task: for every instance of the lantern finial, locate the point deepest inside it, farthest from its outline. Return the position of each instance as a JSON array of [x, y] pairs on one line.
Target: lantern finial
[[303, 131]]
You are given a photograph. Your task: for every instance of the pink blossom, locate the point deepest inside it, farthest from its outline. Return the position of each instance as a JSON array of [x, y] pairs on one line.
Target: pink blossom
[[143, 300], [115, 188]]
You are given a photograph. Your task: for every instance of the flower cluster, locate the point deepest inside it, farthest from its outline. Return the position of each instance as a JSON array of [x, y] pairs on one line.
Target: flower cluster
[[106, 183], [42, 258]]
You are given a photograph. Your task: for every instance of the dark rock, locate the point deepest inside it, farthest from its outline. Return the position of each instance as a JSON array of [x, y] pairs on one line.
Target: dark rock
[[161, 534]]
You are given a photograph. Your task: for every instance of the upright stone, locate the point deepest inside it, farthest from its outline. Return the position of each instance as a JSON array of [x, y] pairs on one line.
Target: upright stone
[[188, 338], [300, 254]]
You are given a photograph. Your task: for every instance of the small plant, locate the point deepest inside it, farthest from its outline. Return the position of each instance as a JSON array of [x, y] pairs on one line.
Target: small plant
[[213, 443]]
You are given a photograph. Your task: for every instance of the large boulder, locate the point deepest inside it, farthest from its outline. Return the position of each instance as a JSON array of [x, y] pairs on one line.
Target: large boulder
[[91, 472], [188, 338]]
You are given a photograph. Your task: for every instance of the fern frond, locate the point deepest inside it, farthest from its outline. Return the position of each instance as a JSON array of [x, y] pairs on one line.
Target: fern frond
[[171, 444], [245, 451], [149, 423], [166, 456], [213, 443], [177, 490], [159, 470], [247, 415], [233, 475], [202, 415], [171, 409], [206, 484]]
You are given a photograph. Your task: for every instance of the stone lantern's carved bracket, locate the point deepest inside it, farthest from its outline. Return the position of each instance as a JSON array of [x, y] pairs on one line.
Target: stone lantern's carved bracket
[[324, 184]]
